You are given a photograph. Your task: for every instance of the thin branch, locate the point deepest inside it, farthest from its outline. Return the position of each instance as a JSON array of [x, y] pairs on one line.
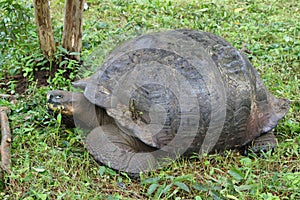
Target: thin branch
[[6, 96], [5, 140], [244, 48], [10, 97]]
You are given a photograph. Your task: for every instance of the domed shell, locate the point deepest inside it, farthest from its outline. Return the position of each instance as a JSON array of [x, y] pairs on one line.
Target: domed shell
[[185, 90]]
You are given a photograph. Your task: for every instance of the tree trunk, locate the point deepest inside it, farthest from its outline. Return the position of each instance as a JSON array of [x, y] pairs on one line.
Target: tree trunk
[[43, 20], [72, 33]]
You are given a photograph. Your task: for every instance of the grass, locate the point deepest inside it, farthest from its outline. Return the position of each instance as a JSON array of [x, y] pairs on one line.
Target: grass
[[50, 161]]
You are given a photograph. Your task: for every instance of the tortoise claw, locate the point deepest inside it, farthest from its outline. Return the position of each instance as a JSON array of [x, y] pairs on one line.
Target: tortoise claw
[[263, 144]]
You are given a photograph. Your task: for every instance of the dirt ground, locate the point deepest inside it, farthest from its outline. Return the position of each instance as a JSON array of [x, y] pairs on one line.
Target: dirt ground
[[39, 76]]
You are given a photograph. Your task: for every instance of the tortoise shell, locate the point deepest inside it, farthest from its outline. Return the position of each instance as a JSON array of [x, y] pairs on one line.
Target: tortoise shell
[[184, 91]]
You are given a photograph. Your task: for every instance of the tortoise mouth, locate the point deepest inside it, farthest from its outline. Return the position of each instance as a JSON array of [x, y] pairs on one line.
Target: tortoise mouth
[[57, 101], [66, 110]]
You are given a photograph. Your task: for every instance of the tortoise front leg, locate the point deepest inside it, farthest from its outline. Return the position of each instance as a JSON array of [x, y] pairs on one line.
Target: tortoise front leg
[[264, 143], [110, 146]]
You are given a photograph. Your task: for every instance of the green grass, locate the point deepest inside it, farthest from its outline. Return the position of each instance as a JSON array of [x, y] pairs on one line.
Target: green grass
[[50, 161]]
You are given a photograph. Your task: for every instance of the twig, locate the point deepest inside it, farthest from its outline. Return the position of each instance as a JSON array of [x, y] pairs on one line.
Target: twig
[[6, 96], [5, 140], [244, 48], [11, 97], [14, 77]]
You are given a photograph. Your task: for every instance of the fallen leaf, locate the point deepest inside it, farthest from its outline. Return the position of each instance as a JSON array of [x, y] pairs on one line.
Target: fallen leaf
[[238, 9], [38, 169]]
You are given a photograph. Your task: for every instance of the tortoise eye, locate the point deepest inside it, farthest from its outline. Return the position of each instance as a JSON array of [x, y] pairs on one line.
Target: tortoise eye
[[58, 96]]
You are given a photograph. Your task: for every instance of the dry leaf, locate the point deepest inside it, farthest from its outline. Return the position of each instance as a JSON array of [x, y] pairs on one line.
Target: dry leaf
[[238, 9]]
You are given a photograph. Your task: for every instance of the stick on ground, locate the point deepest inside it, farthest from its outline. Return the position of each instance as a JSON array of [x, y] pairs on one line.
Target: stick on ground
[[10, 97], [5, 95], [5, 140], [244, 48]]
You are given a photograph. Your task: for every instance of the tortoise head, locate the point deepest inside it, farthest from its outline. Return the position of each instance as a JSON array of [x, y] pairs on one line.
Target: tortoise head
[[75, 108], [68, 103]]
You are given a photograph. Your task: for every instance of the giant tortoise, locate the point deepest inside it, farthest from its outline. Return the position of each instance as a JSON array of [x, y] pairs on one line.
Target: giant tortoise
[[167, 94]]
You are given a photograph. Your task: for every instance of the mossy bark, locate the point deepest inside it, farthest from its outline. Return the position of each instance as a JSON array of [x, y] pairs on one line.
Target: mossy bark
[[44, 25], [5, 140], [72, 34]]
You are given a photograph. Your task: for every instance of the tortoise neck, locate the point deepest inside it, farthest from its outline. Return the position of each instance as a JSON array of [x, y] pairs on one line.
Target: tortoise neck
[[102, 117]]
